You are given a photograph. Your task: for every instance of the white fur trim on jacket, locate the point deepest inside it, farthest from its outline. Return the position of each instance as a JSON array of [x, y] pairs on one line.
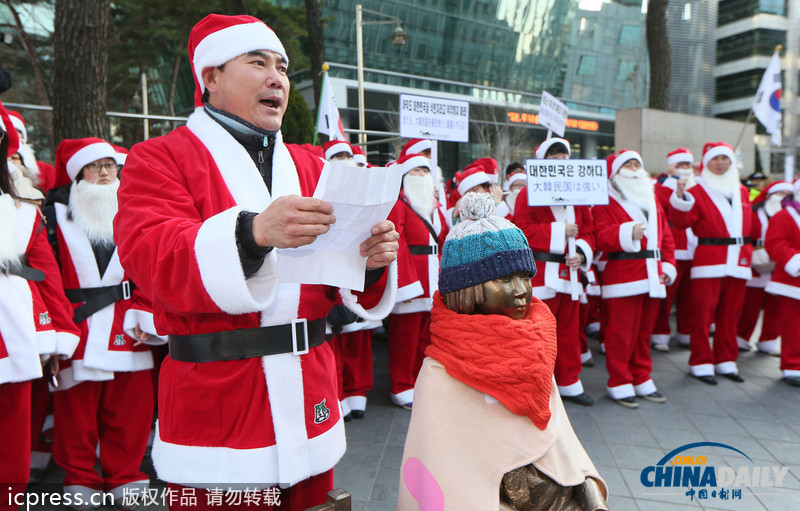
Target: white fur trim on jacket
[[384, 306], [144, 320], [779, 288], [685, 205], [410, 291], [670, 271], [626, 240], [792, 266], [66, 344], [587, 252]]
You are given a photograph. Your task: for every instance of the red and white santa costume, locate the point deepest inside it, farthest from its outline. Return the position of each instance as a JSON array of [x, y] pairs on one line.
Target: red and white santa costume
[[632, 283], [685, 245], [506, 208], [755, 299], [720, 268], [782, 242], [179, 205], [44, 173], [545, 228], [105, 395], [418, 278]]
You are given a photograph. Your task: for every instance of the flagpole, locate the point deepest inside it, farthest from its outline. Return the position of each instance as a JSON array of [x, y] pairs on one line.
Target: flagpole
[[744, 127]]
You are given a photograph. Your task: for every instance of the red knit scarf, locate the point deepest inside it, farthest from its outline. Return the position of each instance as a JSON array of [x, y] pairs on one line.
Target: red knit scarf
[[511, 360]]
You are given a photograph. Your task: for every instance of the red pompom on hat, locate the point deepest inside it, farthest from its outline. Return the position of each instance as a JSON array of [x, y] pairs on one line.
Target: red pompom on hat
[[680, 155], [19, 124], [469, 177], [412, 161], [489, 166], [334, 147], [218, 38], [10, 131], [541, 151], [74, 154], [713, 149], [416, 146], [617, 160]]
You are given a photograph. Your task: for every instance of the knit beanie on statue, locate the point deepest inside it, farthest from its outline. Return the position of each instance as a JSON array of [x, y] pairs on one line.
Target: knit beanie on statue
[[482, 247]]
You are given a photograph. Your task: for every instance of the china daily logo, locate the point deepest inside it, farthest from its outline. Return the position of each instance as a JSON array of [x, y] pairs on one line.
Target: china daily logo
[[697, 479]]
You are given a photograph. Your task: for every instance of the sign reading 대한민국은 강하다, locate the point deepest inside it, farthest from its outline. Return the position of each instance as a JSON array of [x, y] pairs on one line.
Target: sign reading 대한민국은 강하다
[[566, 182]]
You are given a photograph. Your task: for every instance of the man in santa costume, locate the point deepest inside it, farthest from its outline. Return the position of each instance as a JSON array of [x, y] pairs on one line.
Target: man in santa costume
[[338, 150], [248, 393], [633, 234], [105, 394], [719, 213], [472, 179], [359, 156], [782, 243], [680, 166], [514, 184], [766, 205], [42, 174], [422, 229], [548, 229]]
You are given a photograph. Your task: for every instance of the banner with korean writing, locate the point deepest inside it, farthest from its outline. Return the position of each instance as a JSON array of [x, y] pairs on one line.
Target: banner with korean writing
[[434, 118], [566, 182], [553, 113]]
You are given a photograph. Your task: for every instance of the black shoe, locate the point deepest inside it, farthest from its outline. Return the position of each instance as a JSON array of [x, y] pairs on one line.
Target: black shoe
[[581, 399], [357, 414], [36, 476], [628, 402], [655, 397], [733, 377], [348, 417], [794, 381], [589, 363], [708, 379]]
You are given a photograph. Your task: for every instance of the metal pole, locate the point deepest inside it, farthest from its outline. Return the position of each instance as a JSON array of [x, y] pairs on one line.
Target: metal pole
[[145, 107], [790, 93], [362, 137]]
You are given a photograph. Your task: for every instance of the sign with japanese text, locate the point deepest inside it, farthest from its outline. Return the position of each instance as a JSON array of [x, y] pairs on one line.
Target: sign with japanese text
[[434, 118], [566, 182], [553, 113]]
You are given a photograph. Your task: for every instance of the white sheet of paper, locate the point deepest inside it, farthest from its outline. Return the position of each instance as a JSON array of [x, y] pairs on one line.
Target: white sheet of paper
[[361, 198]]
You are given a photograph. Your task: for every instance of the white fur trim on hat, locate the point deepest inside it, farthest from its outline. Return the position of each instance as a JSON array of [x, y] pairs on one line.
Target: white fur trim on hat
[[472, 180], [360, 159], [719, 150], [685, 157], [519, 176], [416, 161], [422, 145], [87, 155], [796, 186], [541, 151], [623, 158], [19, 125], [341, 147], [226, 44], [780, 187]]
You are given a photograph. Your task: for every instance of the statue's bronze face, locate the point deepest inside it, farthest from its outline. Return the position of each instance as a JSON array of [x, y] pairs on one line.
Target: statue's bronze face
[[508, 296]]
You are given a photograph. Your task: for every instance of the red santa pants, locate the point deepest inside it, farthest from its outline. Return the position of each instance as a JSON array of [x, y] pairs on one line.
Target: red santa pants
[[117, 414], [300, 497], [568, 358], [583, 314], [789, 312], [677, 293], [627, 339], [409, 336], [15, 440], [353, 353], [756, 299], [717, 301], [41, 405]]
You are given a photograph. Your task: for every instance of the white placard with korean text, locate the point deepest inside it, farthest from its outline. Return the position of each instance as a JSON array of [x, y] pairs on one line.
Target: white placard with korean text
[[566, 182], [553, 113], [434, 118]]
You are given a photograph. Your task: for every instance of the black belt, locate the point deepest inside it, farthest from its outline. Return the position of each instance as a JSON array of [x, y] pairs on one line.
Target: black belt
[[296, 337], [549, 257], [724, 241], [22, 269], [642, 254], [96, 298], [423, 249]]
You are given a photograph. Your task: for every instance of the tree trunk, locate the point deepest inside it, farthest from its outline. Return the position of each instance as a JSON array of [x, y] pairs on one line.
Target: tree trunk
[[659, 51], [80, 42], [316, 47]]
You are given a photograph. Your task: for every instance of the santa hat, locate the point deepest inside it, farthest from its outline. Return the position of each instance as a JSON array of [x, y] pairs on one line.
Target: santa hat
[[489, 166], [469, 177], [513, 178], [796, 185], [10, 131], [412, 161], [358, 155], [774, 187], [416, 146], [617, 160], [74, 154], [19, 124], [218, 38], [679, 155], [713, 149], [122, 154], [334, 147], [541, 151]]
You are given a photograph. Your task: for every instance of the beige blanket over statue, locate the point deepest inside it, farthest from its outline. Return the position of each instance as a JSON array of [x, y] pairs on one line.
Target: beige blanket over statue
[[461, 442]]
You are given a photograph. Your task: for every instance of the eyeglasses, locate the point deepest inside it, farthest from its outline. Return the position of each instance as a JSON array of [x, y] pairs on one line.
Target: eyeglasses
[[96, 167]]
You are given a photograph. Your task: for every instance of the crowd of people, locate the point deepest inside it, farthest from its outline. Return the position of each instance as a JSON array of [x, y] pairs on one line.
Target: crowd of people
[[107, 258]]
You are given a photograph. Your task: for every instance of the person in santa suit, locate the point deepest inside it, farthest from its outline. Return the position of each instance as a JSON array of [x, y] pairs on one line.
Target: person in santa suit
[[633, 234], [422, 230], [359, 157], [35, 320], [42, 174], [338, 150], [515, 182], [718, 211], [202, 212], [105, 396], [680, 164], [782, 243], [765, 206], [472, 179], [548, 230]]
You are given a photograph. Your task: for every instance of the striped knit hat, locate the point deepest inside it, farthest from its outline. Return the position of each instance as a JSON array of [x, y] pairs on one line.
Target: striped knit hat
[[482, 247]]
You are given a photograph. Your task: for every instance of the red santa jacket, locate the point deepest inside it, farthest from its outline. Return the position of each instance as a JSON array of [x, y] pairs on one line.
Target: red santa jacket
[[272, 419], [545, 228], [760, 257], [35, 317], [613, 225], [417, 273], [685, 240], [710, 215], [783, 245]]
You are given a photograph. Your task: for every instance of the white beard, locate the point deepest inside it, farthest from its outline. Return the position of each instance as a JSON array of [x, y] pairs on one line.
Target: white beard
[[9, 254], [93, 208], [688, 174], [420, 193], [511, 199], [727, 184], [637, 187], [29, 166], [773, 204], [23, 185]]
